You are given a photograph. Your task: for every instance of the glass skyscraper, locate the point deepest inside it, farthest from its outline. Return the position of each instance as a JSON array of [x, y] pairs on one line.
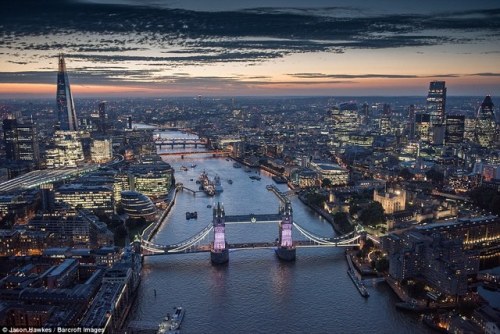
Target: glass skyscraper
[[65, 107], [436, 102]]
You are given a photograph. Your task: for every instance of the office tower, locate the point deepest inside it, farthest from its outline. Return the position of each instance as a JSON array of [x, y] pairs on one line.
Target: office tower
[[455, 129], [67, 150], [486, 123], [10, 138], [422, 125], [411, 121], [102, 126], [65, 107], [20, 142], [436, 102]]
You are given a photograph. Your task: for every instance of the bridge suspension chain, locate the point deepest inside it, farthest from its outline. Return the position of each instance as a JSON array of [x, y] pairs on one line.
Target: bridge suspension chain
[[343, 239], [189, 243]]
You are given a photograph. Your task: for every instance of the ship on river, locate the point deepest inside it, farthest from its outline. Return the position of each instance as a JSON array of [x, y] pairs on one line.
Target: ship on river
[[207, 185]]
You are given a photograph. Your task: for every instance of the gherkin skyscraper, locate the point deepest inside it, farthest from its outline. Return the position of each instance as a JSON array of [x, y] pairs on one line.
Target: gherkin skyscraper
[[65, 107]]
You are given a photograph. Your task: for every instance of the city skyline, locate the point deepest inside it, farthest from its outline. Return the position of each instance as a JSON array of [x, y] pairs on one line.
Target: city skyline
[[156, 48]]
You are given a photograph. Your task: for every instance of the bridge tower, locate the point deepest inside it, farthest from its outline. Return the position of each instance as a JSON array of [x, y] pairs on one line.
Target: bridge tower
[[286, 249], [219, 253]]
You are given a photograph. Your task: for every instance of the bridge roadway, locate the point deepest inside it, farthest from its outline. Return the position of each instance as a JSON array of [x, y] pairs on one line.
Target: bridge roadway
[[251, 218], [249, 246]]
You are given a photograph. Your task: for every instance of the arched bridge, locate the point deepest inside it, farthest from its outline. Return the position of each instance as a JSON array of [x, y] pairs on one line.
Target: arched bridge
[[284, 245]]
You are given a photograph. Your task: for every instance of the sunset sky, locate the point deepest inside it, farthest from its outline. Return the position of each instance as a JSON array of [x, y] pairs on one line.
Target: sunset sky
[[261, 47]]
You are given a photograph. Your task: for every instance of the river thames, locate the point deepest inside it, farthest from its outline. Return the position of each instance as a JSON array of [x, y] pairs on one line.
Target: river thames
[[255, 292]]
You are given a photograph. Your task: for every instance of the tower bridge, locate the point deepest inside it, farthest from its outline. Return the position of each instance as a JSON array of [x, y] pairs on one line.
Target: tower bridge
[[284, 246]]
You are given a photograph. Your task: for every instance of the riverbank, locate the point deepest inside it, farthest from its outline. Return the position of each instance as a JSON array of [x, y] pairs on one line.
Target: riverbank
[[329, 218], [150, 231]]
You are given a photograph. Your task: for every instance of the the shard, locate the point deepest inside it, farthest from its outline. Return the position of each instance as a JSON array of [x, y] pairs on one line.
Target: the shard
[[65, 107]]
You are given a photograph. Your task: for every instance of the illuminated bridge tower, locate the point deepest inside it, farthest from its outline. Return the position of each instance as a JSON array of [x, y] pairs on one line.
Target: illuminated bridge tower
[[286, 249], [219, 253], [66, 113]]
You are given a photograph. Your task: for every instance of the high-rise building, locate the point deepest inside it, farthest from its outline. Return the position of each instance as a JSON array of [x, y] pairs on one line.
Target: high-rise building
[[102, 126], [65, 107], [486, 123], [20, 142], [455, 129], [436, 102], [422, 125], [411, 121]]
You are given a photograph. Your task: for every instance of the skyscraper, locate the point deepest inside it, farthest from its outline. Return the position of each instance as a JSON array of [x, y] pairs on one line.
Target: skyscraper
[[21, 144], [486, 123], [102, 126], [455, 129], [65, 107], [436, 102]]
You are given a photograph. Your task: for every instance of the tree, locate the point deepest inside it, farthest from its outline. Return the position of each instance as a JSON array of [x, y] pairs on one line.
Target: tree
[[434, 176], [315, 199], [373, 214], [406, 174]]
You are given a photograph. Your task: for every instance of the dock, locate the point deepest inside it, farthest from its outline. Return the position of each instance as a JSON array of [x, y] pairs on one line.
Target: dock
[[357, 282]]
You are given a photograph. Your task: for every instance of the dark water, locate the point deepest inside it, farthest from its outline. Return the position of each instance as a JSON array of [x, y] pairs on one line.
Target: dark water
[[255, 292]]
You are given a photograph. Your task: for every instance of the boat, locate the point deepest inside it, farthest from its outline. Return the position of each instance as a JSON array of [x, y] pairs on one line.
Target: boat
[[209, 206], [255, 177], [184, 168], [230, 181], [236, 165], [171, 323], [191, 215], [206, 185], [359, 285], [193, 166], [217, 185]]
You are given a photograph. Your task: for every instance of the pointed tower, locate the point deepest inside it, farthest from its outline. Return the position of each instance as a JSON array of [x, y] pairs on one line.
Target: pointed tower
[[486, 123], [219, 253], [65, 107], [286, 249]]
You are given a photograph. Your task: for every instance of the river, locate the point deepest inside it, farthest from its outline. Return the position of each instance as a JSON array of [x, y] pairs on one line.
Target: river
[[256, 292]]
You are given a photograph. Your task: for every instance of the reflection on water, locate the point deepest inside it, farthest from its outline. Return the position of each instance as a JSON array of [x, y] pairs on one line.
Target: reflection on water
[[255, 292]]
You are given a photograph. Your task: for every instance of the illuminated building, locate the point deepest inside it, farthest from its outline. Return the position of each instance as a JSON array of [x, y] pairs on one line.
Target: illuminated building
[[422, 126], [442, 254], [65, 107], [304, 177], [137, 205], [67, 150], [20, 142], [392, 201], [101, 150], [436, 102], [73, 229], [385, 125], [9, 242], [94, 198], [470, 129], [151, 179], [345, 117], [333, 172], [455, 128], [102, 126], [486, 124]]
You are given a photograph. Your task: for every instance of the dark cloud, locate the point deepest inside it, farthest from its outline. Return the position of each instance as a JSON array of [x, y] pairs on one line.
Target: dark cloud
[[367, 76], [487, 74], [160, 37]]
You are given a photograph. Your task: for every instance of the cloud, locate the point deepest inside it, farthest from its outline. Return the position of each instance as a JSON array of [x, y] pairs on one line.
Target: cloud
[[112, 34], [367, 76]]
